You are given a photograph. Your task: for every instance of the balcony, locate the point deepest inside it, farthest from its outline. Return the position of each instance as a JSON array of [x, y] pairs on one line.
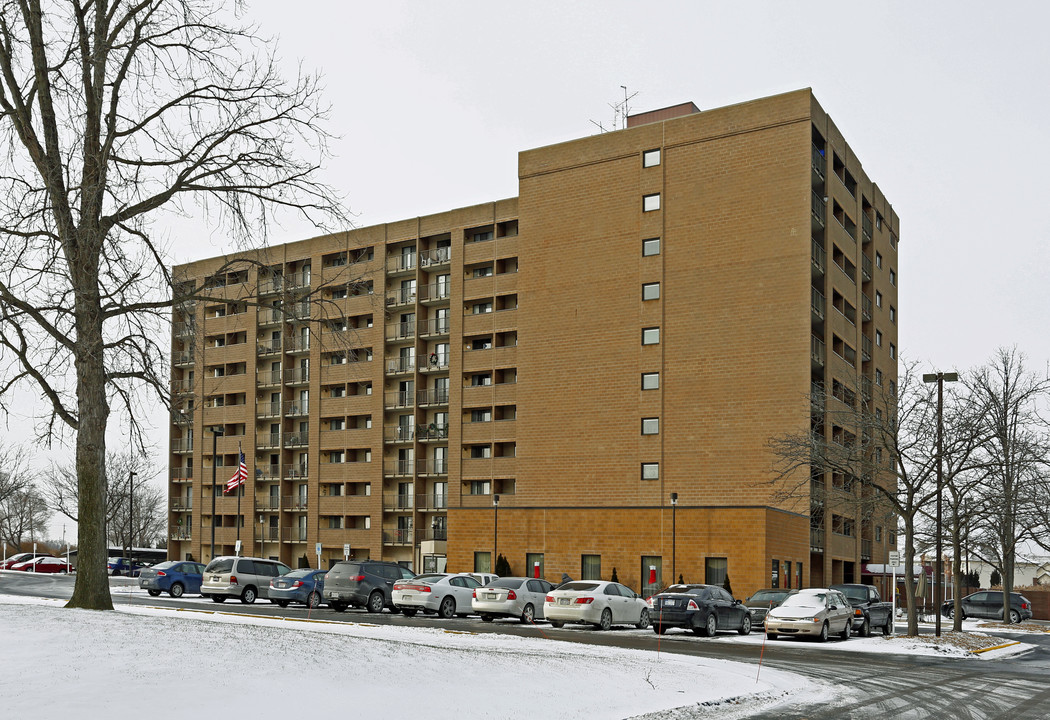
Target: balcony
[[267, 473], [865, 268], [298, 409], [184, 329], [294, 503], [400, 365], [268, 378], [435, 293], [399, 433], [268, 441], [432, 397], [865, 550], [271, 285], [818, 254], [820, 164], [270, 409], [435, 327], [817, 351], [267, 503], [294, 471], [433, 467], [395, 502], [865, 228], [298, 280], [268, 347], [818, 208], [184, 388], [400, 297], [397, 536], [297, 376], [180, 533], [398, 399], [182, 445], [267, 534], [432, 502], [865, 348], [435, 362], [298, 344], [296, 439], [299, 310], [817, 304], [435, 257], [398, 468], [179, 503], [816, 540], [432, 432], [181, 474], [269, 316], [865, 307], [400, 331], [401, 264], [181, 358], [293, 535], [182, 418]]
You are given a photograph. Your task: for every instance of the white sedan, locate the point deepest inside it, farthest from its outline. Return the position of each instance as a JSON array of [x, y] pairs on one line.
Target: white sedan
[[516, 597], [446, 595], [596, 602]]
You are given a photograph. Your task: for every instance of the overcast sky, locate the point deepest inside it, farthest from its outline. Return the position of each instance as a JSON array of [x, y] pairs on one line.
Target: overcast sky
[[941, 101]]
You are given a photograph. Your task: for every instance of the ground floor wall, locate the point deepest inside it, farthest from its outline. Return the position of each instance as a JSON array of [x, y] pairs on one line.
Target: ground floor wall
[[646, 548]]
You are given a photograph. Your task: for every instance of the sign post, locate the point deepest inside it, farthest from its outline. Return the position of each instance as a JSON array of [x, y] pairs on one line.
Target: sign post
[[317, 550], [346, 551], [895, 562]]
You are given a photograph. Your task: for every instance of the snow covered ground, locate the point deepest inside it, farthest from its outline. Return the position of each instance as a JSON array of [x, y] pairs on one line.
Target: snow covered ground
[[166, 663]]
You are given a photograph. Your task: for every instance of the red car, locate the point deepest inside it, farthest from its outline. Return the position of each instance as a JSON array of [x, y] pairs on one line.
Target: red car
[[44, 565], [20, 558]]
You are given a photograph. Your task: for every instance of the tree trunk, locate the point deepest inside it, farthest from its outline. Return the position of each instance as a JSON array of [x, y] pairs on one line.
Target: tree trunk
[[909, 582]]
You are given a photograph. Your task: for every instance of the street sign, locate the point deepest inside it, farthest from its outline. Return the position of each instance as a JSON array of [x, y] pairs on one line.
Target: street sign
[[895, 559], [237, 547], [317, 549], [346, 551]]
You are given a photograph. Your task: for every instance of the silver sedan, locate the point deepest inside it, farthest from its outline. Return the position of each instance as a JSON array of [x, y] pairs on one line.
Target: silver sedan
[[814, 611], [446, 595], [517, 597]]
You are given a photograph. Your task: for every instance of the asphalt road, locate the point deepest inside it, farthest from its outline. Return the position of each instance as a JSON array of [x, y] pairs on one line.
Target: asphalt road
[[879, 686]]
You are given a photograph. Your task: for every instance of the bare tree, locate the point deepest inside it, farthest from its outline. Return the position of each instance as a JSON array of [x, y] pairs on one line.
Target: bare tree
[[880, 443], [26, 516], [1014, 456], [112, 112]]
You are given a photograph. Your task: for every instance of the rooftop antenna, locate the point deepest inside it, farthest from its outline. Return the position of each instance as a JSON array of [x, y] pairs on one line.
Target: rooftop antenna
[[620, 112]]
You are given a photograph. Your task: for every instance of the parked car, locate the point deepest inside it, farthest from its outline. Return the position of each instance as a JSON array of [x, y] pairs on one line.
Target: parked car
[[304, 586], [598, 602], [122, 566], [363, 583], [765, 600], [518, 597], [989, 604], [813, 611], [440, 593], [174, 577], [21, 558], [43, 565], [246, 578], [704, 609], [869, 609]]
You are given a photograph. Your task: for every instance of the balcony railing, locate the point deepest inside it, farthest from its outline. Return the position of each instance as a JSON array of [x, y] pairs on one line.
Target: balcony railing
[[297, 376], [435, 256], [295, 471], [433, 431], [865, 348], [435, 326], [432, 397], [400, 365], [865, 227], [399, 433], [182, 473], [183, 357], [266, 378], [816, 538], [398, 502], [865, 268], [435, 292], [297, 344], [865, 307], [270, 285], [818, 303], [818, 352], [398, 468], [399, 399], [401, 263], [820, 163], [397, 537], [180, 503], [267, 472], [268, 502], [268, 440], [268, 347], [818, 255], [267, 534], [182, 445], [401, 331], [434, 361], [268, 409], [817, 206], [294, 502], [433, 467], [184, 329], [432, 502], [300, 407], [402, 296], [300, 311], [297, 439], [181, 533], [294, 535], [438, 534], [865, 549]]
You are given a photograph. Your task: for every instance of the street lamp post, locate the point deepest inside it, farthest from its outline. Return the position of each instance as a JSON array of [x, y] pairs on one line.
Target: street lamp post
[[938, 579], [674, 536], [131, 522], [495, 530], [215, 433]]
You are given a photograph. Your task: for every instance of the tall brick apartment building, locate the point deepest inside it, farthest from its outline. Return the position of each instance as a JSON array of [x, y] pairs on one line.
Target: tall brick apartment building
[[655, 305]]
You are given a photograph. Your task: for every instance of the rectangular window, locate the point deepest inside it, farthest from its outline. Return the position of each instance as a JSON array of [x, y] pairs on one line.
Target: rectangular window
[[481, 308], [878, 533], [652, 575], [482, 562], [531, 561], [893, 351], [650, 426], [878, 260], [878, 338], [651, 381], [893, 315], [651, 158], [787, 574], [878, 377], [774, 576], [878, 299], [651, 202], [798, 575], [715, 570], [650, 246], [483, 271], [651, 291], [479, 487], [893, 278], [480, 379], [650, 471], [483, 415], [651, 336], [590, 567]]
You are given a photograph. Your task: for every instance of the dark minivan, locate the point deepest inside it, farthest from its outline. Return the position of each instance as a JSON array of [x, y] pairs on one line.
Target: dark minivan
[[363, 583]]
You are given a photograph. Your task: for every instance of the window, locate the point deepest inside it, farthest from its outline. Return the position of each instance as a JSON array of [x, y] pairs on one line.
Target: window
[[787, 574], [651, 158], [590, 567], [481, 415], [893, 351], [534, 561], [336, 424], [878, 221], [650, 426], [336, 456], [650, 381], [483, 271], [650, 246], [480, 451], [893, 277], [878, 338], [481, 308], [480, 487], [481, 343], [715, 570], [878, 377], [774, 576], [893, 315], [651, 336], [878, 260], [652, 574], [651, 202], [482, 562], [878, 299], [650, 471], [337, 391], [878, 533], [480, 379], [651, 291]]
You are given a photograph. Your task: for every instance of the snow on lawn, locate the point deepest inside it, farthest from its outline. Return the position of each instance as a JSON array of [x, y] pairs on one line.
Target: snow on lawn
[[166, 663]]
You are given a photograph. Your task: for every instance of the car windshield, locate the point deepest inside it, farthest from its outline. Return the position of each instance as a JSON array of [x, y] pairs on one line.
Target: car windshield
[[512, 583], [808, 600], [579, 586], [859, 594], [220, 565], [769, 596]]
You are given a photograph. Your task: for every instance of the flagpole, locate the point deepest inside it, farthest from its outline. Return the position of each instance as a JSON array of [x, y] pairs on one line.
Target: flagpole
[[239, 490]]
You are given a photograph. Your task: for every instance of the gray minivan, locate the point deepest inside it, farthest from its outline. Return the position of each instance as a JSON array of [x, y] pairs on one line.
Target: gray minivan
[[363, 583], [246, 578]]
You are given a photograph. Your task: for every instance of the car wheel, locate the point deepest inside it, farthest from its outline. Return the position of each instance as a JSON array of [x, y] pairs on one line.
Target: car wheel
[[408, 612], [281, 603], [176, 590], [606, 620], [557, 623], [745, 626], [528, 614], [887, 629], [337, 606], [950, 613], [153, 593], [488, 618], [448, 607], [711, 627], [771, 636], [375, 602], [643, 621], [659, 628], [865, 628], [313, 600], [248, 596], [848, 630], [823, 637], [1015, 617], [218, 598]]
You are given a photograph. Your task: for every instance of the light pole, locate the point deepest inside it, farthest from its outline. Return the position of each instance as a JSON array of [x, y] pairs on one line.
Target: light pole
[[674, 536], [495, 530], [131, 522], [215, 433], [938, 579]]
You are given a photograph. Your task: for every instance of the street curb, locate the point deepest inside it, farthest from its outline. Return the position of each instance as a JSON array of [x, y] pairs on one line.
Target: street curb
[[994, 647]]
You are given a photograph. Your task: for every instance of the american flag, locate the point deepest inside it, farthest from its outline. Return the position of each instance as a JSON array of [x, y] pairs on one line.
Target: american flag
[[239, 477]]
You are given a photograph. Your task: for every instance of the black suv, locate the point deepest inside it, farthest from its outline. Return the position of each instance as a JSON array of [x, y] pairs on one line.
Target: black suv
[[363, 583]]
